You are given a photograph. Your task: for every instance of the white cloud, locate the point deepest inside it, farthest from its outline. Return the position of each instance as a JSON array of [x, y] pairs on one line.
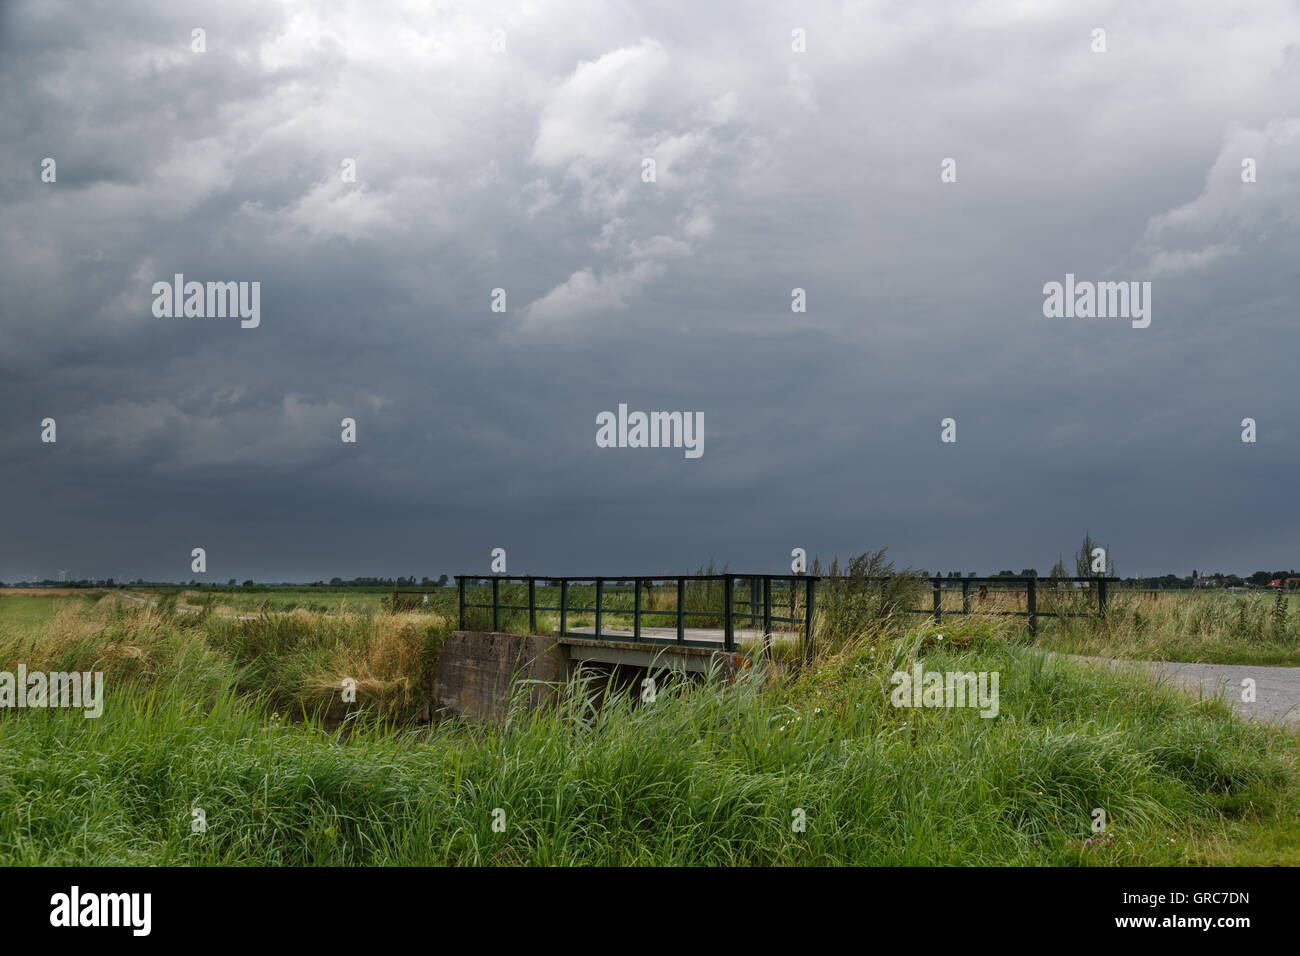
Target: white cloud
[[1188, 260], [591, 114], [585, 295], [1230, 215]]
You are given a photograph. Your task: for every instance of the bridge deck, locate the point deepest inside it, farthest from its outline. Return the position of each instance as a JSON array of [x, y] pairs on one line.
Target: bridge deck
[[703, 635]]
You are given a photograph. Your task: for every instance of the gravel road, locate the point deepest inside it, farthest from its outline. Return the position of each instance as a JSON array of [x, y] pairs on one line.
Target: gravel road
[[1277, 689]]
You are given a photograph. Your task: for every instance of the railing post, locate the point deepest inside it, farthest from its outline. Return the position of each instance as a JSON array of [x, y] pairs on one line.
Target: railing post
[[636, 610], [809, 587], [965, 596], [1101, 597], [728, 625], [767, 615], [1031, 595], [564, 607], [600, 592], [460, 589], [496, 605], [938, 602], [532, 605], [681, 610]]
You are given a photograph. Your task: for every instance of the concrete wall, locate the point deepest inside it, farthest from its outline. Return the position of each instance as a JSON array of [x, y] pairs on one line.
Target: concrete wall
[[478, 670]]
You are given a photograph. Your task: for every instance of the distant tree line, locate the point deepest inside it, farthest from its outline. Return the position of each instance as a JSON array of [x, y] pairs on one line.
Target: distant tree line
[[1086, 562], [441, 581]]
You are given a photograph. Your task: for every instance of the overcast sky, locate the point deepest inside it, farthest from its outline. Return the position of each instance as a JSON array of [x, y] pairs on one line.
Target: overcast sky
[[514, 160]]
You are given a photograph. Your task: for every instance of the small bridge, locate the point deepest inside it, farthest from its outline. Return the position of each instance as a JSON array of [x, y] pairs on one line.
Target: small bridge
[[527, 633], [716, 612], [532, 631]]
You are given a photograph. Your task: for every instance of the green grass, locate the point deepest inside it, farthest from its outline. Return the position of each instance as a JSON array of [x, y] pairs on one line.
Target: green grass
[[1207, 627], [1212, 628], [229, 716], [1271, 839], [30, 613], [357, 600], [245, 720], [295, 661]]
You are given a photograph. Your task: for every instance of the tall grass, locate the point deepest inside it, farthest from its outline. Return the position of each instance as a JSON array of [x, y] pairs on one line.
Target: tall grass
[[1215, 627], [243, 720], [704, 775], [867, 599], [295, 661]]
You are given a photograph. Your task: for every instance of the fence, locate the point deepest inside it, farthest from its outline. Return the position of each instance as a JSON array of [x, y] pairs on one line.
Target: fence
[[703, 610], [619, 607], [1032, 590]]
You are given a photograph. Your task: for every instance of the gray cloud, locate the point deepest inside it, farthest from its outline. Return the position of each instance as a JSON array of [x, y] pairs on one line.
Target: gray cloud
[[522, 170]]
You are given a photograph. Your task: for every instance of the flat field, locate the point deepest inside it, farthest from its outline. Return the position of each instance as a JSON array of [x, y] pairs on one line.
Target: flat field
[[232, 704]]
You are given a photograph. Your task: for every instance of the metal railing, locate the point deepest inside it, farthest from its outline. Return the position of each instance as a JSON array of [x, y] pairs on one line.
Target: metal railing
[[703, 610], [696, 607], [1031, 587]]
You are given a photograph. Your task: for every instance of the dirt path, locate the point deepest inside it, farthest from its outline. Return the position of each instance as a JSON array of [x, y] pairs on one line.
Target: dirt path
[[1277, 689], [180, 610]]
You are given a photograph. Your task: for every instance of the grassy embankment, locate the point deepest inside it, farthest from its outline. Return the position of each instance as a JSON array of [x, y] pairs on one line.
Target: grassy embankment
[[1223, 627], [244, 719]]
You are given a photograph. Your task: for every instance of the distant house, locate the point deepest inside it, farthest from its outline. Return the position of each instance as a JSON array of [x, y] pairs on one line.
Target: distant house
[[1289, 584]]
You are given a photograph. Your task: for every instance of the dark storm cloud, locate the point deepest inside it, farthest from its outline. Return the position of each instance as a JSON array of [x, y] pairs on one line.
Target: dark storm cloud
[[521, 169]]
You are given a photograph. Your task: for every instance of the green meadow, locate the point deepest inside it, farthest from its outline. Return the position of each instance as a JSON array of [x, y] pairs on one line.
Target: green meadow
[[230, 704]]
